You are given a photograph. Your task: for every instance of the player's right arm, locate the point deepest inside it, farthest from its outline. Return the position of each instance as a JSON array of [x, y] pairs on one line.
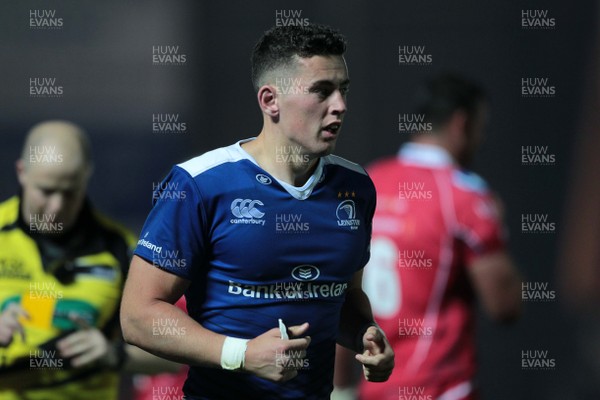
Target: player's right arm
[[498, 285], [492, 273], [148, 301]]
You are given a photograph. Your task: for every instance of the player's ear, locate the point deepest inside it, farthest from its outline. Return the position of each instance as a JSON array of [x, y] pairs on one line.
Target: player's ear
[[268, 101], [456, 127], [20, 168], [458, 122]]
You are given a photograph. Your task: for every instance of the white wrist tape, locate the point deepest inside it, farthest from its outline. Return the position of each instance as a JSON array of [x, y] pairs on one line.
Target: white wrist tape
[[233, 353], [283, 330]]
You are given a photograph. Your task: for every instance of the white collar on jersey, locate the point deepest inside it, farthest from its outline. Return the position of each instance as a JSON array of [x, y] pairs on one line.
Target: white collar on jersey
[[300, 193], [425, 154]]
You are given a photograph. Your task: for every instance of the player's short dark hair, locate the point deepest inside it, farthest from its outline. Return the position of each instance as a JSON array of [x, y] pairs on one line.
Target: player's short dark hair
[[445, 94], [280, 44]]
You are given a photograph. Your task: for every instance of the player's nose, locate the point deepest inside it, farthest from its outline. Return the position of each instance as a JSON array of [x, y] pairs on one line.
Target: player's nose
[[338, 103]]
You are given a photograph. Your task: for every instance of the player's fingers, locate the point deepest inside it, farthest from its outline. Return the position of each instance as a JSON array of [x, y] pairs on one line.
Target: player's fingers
[[300, 354], [296, 354], [298, 330], [289, 374], [361, 358], [370, 347], [374, 342], [370, 360], [377, 374], [298, 344], [273, 333], [374, 374]]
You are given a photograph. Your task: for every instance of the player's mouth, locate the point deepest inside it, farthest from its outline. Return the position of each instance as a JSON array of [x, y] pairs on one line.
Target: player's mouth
[[332, 129]]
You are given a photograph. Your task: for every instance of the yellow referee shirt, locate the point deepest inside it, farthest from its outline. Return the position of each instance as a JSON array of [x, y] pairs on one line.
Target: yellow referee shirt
[[65, 283]]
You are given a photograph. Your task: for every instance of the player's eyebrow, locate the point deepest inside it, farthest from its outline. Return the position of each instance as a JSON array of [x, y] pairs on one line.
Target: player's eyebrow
[[328, 82]]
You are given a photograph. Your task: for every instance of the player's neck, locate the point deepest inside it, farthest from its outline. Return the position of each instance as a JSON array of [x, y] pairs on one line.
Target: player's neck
[[433, 139], [280, 160]]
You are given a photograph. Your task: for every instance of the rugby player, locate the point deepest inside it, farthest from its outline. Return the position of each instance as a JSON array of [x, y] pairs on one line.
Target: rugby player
[[438, 245], [267, 300]]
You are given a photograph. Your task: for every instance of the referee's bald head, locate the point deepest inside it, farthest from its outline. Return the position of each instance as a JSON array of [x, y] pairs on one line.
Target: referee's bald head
[[48, 139], [53, 171]]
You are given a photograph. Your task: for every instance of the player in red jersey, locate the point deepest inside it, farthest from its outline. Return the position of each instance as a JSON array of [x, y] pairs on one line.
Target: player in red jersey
[[437, 246]]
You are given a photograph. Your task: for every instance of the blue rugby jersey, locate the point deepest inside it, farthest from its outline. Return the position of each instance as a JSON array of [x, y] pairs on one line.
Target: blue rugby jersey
[[256, 249]]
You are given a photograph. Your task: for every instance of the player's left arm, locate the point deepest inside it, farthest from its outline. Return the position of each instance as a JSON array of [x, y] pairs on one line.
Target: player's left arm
[[360, 333]]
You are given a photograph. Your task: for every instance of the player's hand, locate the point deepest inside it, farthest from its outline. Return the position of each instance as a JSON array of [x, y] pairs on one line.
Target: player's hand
[[270, 357], [9, 324], [85, 346], [378, 356]]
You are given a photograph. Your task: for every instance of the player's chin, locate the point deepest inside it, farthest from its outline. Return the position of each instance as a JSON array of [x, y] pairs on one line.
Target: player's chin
[[325, 150], [327, 143]]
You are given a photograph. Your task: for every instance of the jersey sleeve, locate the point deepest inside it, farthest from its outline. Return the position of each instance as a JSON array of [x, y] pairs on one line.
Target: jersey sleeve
[[370, 212], [479, 223], [172, 237]]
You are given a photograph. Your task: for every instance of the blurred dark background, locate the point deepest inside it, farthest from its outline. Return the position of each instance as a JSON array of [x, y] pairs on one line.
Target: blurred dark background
[[102, 57]]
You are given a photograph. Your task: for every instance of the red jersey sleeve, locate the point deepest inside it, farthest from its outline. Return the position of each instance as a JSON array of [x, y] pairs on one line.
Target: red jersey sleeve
[[479, 224]]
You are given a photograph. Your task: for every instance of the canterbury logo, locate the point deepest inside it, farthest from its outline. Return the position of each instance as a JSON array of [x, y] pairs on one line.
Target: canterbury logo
[[245, 208]]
